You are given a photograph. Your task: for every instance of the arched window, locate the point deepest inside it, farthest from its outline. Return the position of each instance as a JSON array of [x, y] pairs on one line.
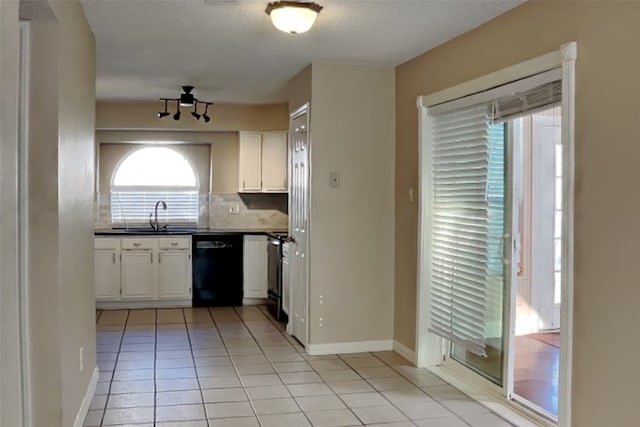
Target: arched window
[[147, 176]]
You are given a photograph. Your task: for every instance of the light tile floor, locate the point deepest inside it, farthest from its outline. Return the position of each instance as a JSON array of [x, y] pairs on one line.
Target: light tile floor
[[234, 367]]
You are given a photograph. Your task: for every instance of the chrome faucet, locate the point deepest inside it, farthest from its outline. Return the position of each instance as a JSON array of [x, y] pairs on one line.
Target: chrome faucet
[[154, 221]]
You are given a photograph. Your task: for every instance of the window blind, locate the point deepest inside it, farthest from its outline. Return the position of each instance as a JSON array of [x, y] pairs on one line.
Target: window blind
[[528, 101], [131, 207], [465, 195]]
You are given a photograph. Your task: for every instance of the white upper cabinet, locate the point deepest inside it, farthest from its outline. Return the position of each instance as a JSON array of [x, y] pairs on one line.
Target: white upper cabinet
[[250, 161], [263, 162], [274, 161]]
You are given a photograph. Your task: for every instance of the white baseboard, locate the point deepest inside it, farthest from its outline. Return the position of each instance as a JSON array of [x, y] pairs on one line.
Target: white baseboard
[[349, 347], [88, 397], [122, 305], [404, 351]]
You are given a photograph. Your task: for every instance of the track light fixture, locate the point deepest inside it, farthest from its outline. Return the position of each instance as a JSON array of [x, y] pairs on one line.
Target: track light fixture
[[186, 99]]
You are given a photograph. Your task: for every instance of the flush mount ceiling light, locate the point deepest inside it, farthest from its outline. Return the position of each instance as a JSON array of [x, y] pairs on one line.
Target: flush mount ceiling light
[[293, 17], [186, 100]]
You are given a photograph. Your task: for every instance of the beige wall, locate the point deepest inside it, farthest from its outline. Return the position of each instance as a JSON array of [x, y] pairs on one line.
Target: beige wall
[[76, 153], [224, 117], [351, 229], [44, 287], [9, 296], [607, 290]]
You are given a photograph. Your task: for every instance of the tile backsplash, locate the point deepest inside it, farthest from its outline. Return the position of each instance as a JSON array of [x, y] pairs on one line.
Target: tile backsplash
[[246, 211], [254, 211]]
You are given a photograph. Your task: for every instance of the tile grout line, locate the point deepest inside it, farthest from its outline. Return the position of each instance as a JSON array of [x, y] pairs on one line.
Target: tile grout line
[[115, 365], [195, 369], [244, 388], [271, 364]]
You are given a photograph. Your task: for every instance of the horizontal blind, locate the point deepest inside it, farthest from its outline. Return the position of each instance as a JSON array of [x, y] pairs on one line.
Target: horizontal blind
[[460, 225], [527, 102], [134, 206]]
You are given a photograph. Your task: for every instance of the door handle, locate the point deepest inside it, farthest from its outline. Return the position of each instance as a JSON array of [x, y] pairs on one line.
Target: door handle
[[113, 260]]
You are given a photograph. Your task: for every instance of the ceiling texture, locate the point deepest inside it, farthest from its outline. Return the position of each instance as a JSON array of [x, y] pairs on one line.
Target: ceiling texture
[[231, 53]]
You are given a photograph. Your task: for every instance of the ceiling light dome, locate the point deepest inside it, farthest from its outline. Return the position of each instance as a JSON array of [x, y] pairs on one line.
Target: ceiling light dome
[[293, 17]]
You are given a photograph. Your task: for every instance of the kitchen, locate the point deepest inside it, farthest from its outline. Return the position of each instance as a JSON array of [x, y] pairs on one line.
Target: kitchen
[[222, 232]]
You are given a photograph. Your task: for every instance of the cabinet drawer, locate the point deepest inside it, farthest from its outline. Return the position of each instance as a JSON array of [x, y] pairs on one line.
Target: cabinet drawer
[[106, 244], [139, 244], [175, 243]]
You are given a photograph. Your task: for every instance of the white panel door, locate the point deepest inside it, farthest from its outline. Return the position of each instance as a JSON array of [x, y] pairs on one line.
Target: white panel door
[[139, 275], [107, 275], [545, 135], [174, 274], [299, 224], [274, 162], [255, 283], [250, 161]]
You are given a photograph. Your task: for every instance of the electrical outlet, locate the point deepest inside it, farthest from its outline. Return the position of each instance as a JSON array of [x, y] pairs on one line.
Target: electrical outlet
[[81, 358], [234, 210]]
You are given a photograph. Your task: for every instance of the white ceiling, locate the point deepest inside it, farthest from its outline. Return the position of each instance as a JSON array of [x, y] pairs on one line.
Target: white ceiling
[[230, 52]]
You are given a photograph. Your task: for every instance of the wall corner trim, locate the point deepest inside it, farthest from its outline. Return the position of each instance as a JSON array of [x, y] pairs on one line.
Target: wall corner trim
[[404, 351], [88, 397], [349, 347]]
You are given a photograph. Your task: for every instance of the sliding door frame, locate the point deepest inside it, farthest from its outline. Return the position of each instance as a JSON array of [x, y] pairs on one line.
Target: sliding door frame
[[431, 349]]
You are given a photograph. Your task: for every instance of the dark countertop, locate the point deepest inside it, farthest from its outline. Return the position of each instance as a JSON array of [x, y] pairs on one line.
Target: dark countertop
[[180, 232]]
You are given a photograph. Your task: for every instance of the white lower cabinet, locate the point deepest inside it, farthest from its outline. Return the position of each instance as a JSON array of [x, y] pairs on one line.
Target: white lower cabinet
[[174, 274], [133, 272], [139, 276], [107, 269], [255, 266]]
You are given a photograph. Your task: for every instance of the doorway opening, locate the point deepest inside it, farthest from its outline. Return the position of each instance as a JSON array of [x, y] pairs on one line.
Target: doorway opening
[[538, 203]]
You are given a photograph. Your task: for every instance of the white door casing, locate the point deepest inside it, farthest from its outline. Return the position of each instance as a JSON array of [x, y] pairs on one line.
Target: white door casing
[[299, 223]]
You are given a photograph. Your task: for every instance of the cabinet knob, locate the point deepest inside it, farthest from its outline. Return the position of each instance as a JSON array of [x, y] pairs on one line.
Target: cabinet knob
[[136, 244]]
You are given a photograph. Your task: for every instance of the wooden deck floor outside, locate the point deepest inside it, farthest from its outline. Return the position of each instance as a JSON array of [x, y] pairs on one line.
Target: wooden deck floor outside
[[537, 372]]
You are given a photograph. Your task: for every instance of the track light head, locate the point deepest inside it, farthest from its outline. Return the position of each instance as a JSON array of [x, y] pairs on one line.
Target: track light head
[[194, 113], [176, 116], [205, 117], [164, 113]]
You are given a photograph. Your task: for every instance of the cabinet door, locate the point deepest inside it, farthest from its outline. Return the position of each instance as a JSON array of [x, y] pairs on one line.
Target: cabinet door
[[250, 161], [174, 274], [107, 275], [274, 162], [255, 267], [139, 275]]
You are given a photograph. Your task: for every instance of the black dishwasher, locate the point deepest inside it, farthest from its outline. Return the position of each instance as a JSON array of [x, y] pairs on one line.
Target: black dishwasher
[[217, 270]]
